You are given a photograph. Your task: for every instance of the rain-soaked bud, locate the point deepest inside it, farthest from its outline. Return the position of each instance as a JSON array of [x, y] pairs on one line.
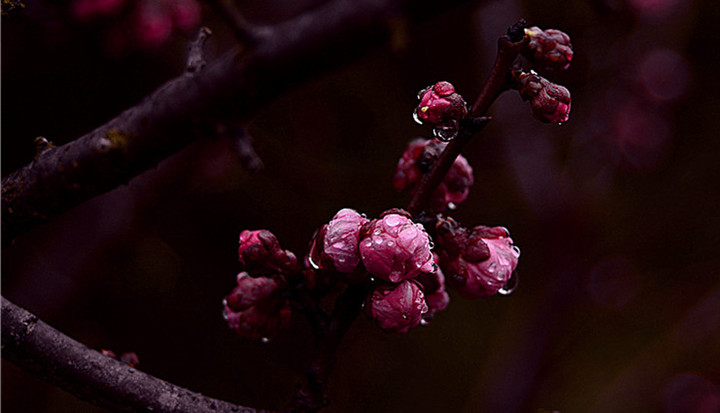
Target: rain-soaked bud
[[255, 308], [436, 296], [418, 159], [441, 108], [550, 102], [477, 262], [260, 254], [396, 308], [335, 246], [548, 49], [394, 248]]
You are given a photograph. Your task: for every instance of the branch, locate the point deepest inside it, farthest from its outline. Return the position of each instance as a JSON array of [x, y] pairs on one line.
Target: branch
[[235, 85], [91, 376]]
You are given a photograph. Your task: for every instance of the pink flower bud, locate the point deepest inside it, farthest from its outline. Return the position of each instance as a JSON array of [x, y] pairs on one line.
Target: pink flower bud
[[336, 244], [436, 296], [250, 291], [396, 308], [255, 308], [260, 253], [153, 25], [418, 159], [394, 248], [550, 102], [185, 14], [548, 49], [478, 262], [441, 108]]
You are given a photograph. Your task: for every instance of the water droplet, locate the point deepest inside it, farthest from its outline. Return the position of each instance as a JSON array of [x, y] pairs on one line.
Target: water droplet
[[404, 316], [424, 322], [511, 285], [372, 279], [491, 269], [516, 250], [377, 232], [451, 206], [264, 340], [363, 215], [341, 260], [391, 244], [225, 314], [445, 133], [431, 244], [313, 264], [422, 92], [416, 118]]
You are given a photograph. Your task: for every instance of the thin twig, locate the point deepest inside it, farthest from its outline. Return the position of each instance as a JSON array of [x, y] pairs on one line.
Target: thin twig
[[243, 31], [44, 351], [196, 51]]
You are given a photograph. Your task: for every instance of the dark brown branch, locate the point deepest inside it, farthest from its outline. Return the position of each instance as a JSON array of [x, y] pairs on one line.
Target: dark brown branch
[[163, 123], [508, 51], [91, 376], [312, 395]]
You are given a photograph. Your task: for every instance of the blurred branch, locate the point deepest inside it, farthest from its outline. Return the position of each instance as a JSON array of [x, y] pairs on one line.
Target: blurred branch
[[196, 51], [92, 376], [233, 86], [240, 27]]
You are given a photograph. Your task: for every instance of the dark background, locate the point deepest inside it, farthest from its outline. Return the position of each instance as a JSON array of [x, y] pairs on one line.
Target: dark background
[[617, 214]]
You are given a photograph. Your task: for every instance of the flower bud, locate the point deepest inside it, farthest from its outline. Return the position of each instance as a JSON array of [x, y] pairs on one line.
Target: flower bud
[[478, 262], [549, 102], [418, 159], [335, 246], [255, 308], [394, 248], [396, 308], [260, 254], [441, 108], [436, 297], [548, 49]]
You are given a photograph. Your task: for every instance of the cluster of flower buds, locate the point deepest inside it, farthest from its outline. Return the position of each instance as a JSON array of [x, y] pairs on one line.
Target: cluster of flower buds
[[391, 249], [442, 108], [549, 102], [478, 262], [256, 308], [144, 23], [548, 49], [418, 159]]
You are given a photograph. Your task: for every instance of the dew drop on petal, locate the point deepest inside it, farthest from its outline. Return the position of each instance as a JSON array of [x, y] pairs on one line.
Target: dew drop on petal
[[416, 118], [424, 322], [225, 314], [451, 206], [313, 264], [511, 285], [264, 340]]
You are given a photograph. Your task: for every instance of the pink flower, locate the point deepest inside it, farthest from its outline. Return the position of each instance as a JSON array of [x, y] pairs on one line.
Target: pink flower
[[394, 248], [418, 159], [549, 102], [441, 108], [548, 49], [336, 245], [478, 262], [260, 253], [396, 308], [255, 308]]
